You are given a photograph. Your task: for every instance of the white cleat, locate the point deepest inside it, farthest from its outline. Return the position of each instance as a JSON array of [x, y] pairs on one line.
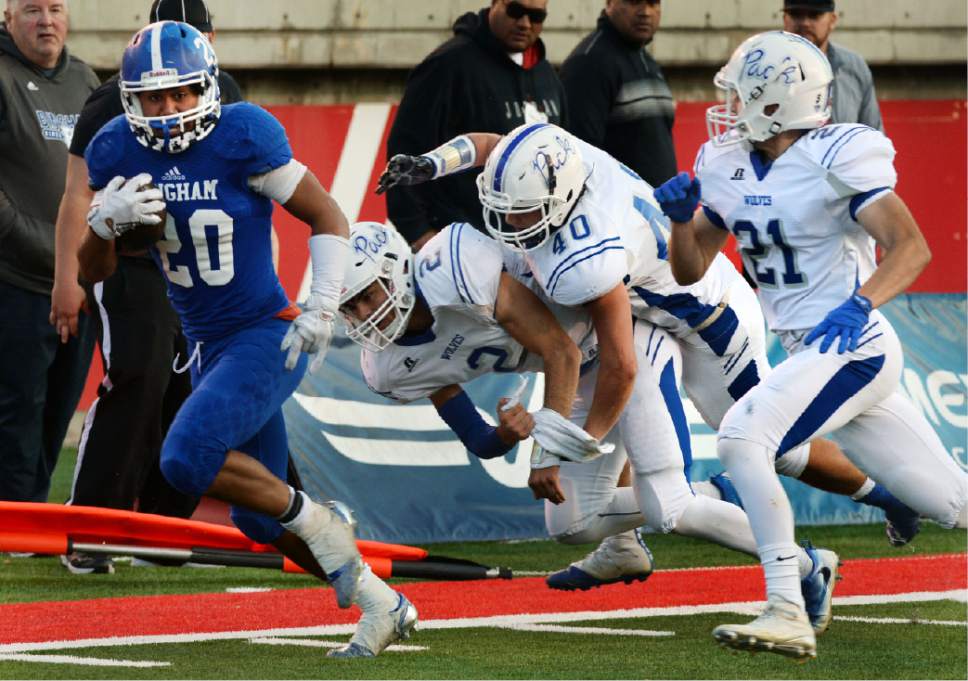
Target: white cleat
[[818, 587], [783, 628], [378, 629], [620, 558]]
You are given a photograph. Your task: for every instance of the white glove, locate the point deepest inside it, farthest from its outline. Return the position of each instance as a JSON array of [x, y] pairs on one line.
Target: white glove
[[123, 205], [564, 439], [311, 332]]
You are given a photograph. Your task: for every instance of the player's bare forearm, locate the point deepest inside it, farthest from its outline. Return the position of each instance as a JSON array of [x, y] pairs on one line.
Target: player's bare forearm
[[522, 314], [906, 252], [692, 247], [71, 220], [612, 317], [484, 143], [313, 205], [96, 258]]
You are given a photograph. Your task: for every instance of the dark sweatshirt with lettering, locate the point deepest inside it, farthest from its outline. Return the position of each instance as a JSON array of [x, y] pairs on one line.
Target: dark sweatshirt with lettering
[[468, 84], [38, 110]]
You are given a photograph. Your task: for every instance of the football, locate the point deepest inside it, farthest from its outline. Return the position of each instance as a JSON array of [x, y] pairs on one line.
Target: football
[[141, 236]]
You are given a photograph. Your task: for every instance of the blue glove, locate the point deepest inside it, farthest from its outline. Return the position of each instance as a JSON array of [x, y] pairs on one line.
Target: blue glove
[[679, 197], [846, 321]]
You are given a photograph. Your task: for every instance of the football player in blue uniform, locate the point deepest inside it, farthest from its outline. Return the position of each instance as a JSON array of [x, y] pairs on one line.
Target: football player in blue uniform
[[216, 171]]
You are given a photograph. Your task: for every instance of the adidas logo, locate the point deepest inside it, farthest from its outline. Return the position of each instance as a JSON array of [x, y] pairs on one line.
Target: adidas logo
[[172, 175]]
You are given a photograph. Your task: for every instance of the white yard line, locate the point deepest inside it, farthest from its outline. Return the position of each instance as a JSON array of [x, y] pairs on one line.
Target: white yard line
[[559, 629], [86, 661], [317, 643], [744, 607], [899, 620]]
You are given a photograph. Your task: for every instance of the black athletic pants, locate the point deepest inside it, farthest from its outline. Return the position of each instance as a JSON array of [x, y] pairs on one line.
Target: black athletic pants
[[139, 335]]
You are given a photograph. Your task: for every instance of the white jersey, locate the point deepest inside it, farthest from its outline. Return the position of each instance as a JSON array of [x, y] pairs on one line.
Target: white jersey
[[457, 274], [795, 219], [617, 232]]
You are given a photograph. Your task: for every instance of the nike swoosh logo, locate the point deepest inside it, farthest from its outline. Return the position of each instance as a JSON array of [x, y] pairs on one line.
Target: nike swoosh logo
[[786, 557]]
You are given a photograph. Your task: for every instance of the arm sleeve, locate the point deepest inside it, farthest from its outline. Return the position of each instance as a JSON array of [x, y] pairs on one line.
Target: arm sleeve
[[423, 120], [480, 438], [589, 94]]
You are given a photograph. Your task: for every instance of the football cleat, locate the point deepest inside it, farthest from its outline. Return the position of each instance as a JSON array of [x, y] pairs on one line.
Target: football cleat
[[620, 558], [379, 629], [88, 564], [818, 586], [727, 491], [901, 527], [782, 628]]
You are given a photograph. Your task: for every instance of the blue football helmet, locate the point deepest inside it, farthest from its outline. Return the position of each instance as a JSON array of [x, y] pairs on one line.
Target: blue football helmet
[[164, 55]]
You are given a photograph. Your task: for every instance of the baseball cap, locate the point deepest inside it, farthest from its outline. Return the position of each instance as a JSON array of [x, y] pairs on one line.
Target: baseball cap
[[814, 5], [192, 12]]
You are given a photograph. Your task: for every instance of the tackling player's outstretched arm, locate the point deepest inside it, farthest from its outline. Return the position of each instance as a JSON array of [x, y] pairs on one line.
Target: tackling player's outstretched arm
[[461, 153], [612, 317], [694, 241], [482, 439], [906, 252]]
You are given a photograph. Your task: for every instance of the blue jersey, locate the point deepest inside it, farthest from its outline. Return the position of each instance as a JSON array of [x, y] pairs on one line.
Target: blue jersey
[[216, 254]]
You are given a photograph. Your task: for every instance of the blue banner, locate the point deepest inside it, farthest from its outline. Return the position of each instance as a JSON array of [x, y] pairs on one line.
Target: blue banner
[[409, 479]]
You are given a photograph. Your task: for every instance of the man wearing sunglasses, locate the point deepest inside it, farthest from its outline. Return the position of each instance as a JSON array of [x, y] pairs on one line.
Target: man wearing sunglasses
[[493, 76], [618, 99]]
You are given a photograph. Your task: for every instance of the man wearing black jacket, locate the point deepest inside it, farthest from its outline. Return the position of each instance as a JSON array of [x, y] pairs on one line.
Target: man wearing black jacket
[[139, 334], [492, 76], [618, 99]]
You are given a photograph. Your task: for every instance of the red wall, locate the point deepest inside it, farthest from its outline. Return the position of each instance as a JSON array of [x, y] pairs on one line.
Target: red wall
[[929, 137]]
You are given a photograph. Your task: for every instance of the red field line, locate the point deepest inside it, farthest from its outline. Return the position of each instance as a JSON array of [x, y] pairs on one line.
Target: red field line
[[214, 612]]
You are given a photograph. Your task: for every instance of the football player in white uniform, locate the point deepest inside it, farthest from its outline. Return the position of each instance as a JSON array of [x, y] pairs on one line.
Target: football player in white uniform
[[430, 322], [807, 203], [591, 234]]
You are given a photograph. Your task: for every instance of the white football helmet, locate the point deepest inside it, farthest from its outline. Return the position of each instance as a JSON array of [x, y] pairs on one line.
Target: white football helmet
[[536, 167], [379, 254], [776, 70]]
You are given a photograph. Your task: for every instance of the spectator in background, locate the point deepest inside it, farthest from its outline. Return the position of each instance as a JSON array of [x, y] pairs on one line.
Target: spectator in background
[[42, 89], [618, 99], [138, 332], [854, 99], [492, 76]]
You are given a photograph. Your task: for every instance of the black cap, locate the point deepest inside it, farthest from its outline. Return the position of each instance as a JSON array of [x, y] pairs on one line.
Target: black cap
[[812, 5], [192, 12]]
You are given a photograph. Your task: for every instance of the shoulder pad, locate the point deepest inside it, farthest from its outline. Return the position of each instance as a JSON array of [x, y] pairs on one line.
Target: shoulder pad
[[460, 267], [707, 152], [251, 135], [857, 157], [106, 151]]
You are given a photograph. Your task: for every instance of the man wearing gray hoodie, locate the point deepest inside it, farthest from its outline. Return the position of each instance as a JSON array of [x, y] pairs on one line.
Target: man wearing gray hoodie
[[42, 90]]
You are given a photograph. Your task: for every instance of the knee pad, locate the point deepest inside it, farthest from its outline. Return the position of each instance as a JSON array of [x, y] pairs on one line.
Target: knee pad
[[792, 463], [190, 461], [256, 526], [663, 497]]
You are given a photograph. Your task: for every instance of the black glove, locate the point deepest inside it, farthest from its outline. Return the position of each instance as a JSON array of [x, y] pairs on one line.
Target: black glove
[[406, 170]]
